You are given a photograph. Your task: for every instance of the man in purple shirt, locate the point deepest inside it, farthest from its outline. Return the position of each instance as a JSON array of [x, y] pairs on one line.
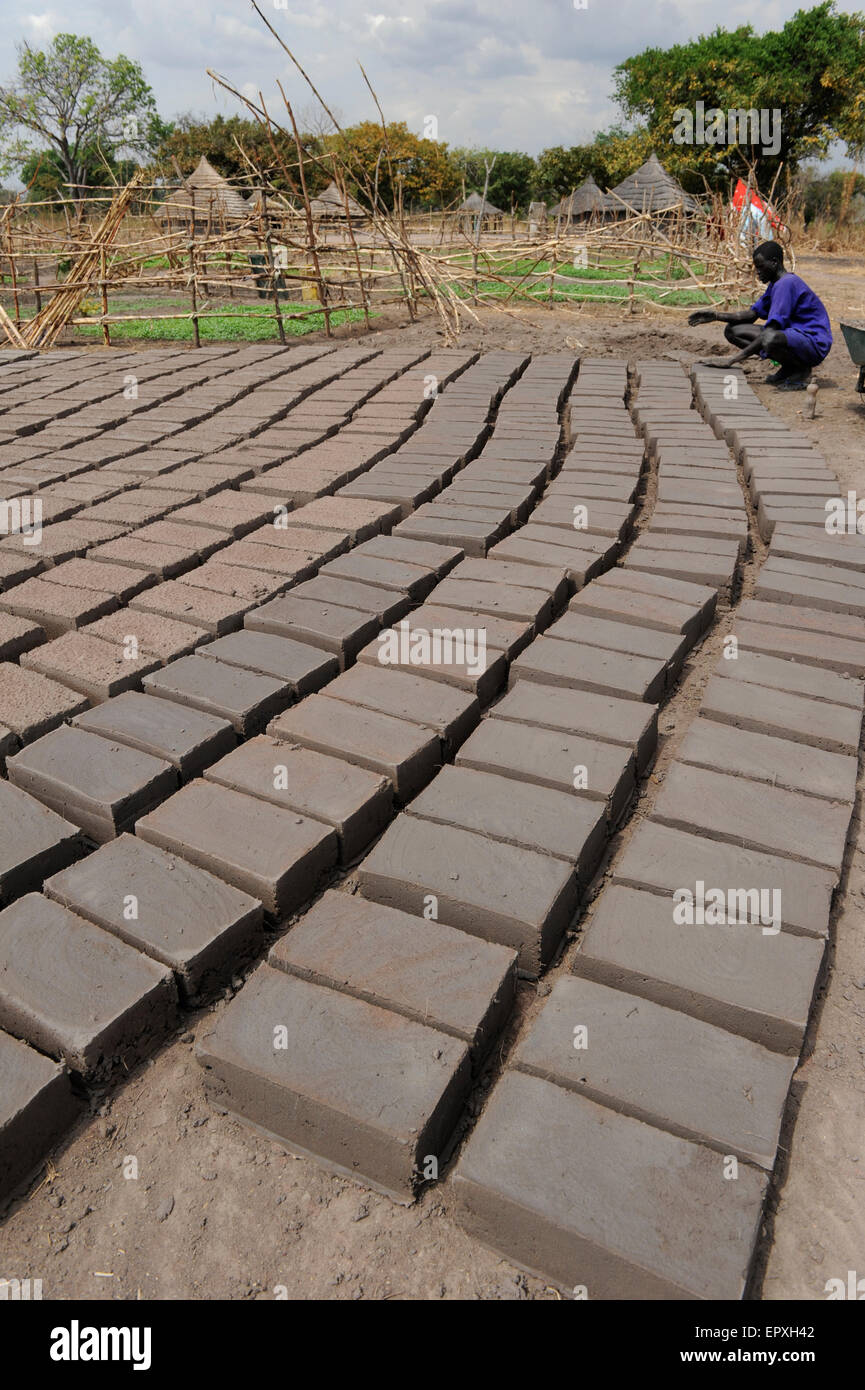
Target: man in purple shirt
[[797, 334]]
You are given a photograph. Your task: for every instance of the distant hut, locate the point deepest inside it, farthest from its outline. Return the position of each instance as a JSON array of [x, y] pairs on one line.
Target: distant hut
[[204, 201], [330, 206], [650, 189], [537, 218], [478, 210], [585, 203]]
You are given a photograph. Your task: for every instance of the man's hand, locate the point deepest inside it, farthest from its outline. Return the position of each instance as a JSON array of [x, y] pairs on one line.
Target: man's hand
[[717, 362], [702, 316]]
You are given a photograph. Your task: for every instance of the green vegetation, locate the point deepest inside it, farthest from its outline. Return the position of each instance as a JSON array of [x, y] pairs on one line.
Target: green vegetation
[[241, 324]]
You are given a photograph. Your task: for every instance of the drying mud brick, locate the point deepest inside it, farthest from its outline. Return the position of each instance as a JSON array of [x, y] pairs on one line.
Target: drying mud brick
[[733, 975], [450, 712], [56, 607], [17, 635], [794, 677], [342, 631], [34, 842], [187, 738], [502, 893], [832, 652], [438, 558], [356, 802], [421, 969], [275, 855], [775, 712], [365, 1091], [383, 604], [582, 712], [664, 859], [37, 1105], [303, 668], [585, 769], [576, 1193], [754, 815], [88, 665], [575, 626], [163, 637], [541, 818], [76, 992], [214, 612], [673, 1071], [550, 661], [793, 766], [413, 580], [408, 754], [31, 704], [200, 927], [245, 698]]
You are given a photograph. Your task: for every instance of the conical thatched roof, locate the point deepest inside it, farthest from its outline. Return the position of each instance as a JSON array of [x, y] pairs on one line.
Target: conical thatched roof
[[584, 200], [276, 202], [205, 194], [651, 189], [331, 203], [476, 204]]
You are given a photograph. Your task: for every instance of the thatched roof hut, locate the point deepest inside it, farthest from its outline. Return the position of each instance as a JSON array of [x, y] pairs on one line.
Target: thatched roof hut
[[332, 203], [650, 189], [585, 202], [205, 199], [477, 209]]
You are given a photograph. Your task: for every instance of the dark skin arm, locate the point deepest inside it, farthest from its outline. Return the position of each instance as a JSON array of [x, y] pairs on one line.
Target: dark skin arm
[[736, 316]]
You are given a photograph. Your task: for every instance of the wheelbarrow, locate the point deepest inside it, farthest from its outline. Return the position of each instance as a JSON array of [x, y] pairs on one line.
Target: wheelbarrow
[[854, 337]]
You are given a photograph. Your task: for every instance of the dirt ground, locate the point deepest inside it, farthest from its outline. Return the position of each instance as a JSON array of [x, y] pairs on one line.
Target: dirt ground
[[217, 1212]]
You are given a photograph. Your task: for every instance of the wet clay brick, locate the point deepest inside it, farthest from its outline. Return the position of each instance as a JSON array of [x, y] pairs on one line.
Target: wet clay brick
[[76, 992], [197, 925], [303, 668], [361, 1089], [794, 717], [553, 662], [421, 969], [450, 712], [245, 698], [793, 766], [343, 631], [356, 802], [187, 738], [33, 842], [31, 704], [583, 712], [37, 1106], [574, 1192], [275, 855], [216, 613]]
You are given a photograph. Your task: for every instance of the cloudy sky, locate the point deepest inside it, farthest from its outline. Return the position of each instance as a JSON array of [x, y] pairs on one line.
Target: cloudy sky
[[502, 73]]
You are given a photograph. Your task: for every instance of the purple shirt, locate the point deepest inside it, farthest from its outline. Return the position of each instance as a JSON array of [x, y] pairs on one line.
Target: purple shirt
[[790, 303]]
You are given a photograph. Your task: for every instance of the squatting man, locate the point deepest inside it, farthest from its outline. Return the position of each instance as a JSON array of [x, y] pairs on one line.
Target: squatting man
[[797, 334]]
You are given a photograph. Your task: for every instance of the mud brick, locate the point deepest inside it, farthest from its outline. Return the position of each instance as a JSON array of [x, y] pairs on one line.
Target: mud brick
[[362, 1089], [732, 976], [98, 785], [33, 842], [31, 704], [17, 635], [482, 679], [715, 570], [215, 613], [554, 662], [88, 665], [628, 606], [541, 818], [421, 969], [806, 620], [246, 699], [786, 586], [580, 563], [76, 992], [356, 802], [277, 856], [762, 817], [549, 758], [412, 580], [14, 569], [663, 859], [234, 513], [793, 766], [800, 543], [196, 543], [673, 1071], [508, 635], [796, 678], [255, 586], [451, 713], [37, 1106], [198, 926], [407, 753], [575, 626], [497, 891], [576, 1193], [518, 603], [551, 580], [284, 566], [163, 637], [158, 561], [383, 604], [438, 558], [342, 631], [57, 607], [475, 537], [187, 738], [103, 577], [584, 713], [358, 517], [303, 668]]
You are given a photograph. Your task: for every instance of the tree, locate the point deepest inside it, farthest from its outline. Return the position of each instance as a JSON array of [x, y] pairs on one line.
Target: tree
[[43, 174], [511, 179], [810, 72], [423, 168], [84, 107]]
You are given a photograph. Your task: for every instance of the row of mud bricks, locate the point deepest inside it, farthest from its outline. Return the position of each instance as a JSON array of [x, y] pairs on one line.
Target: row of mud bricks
[[628, 1131]]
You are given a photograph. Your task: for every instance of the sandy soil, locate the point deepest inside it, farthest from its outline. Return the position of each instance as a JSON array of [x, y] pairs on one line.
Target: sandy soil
[[217, 1212]]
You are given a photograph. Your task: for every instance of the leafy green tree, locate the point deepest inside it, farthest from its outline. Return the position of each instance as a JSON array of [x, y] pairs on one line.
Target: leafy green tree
[[83, 107], [43, 174], [423, 168], [512, 177]]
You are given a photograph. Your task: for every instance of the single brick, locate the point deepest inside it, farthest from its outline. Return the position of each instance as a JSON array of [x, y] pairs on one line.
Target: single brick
[[363, 1090], [579, 1194], [33, 842], [245, 698], [629, 722], [76, 992], [795, 677], [303, 668], [216, 613], [31, 704], [187, 738], [783, 763], [17, 635], [200, 927], [343, 631], [553, 662], [450, 712], [37, 1106], [275, 855], [835, 728], [56, 607], [330, 589], [732, 975], [163, 637], [421, 969], [85, 663]]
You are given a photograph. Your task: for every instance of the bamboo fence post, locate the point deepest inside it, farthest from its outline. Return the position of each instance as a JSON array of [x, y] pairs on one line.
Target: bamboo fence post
[[280, 326], [106, 336], [36, 293], [193, 295], [353, 238]]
